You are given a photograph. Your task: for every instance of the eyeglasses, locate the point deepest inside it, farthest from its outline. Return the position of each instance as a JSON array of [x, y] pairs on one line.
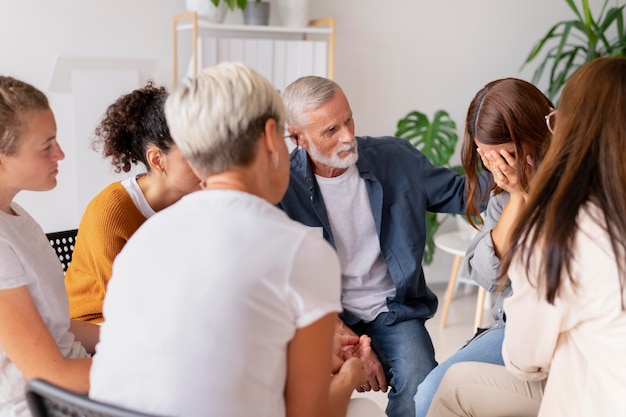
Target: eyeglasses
[[551, 120]]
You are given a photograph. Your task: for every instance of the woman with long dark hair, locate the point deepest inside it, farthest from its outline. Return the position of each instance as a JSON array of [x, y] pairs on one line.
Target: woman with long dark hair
[[566, 319], [505, 134]]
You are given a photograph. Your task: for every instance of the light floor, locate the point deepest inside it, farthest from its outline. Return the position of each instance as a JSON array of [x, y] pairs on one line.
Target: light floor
[[447, 340]]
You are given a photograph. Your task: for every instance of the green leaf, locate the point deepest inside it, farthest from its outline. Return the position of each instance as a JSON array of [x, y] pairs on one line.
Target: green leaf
[[572, 6], [540, 44], [436, 139], [240, 4], [558, 79], [571, 43]]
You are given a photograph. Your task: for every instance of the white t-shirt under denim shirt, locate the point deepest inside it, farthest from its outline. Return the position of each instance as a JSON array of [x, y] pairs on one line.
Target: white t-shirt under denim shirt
[[26, 258], [366, 283]]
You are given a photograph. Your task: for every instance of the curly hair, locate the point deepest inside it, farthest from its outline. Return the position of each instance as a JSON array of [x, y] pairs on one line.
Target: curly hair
[[132, 124]]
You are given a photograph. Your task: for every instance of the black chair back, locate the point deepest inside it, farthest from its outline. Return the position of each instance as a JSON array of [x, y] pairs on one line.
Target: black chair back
[[48, 400], [63, 244]]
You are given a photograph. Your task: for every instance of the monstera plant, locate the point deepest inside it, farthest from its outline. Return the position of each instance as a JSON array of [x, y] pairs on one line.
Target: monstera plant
[[437, 140], [571, 43]]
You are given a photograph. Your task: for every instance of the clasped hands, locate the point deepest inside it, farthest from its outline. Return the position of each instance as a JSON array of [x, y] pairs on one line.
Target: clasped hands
[[353, 354]]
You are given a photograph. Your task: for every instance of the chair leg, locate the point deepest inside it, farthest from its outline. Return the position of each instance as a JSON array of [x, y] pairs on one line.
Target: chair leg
[[480, 307], [450, 290]]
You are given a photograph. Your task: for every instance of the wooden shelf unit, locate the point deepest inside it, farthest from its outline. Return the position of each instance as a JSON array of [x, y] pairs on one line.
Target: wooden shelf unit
[[191, 22]]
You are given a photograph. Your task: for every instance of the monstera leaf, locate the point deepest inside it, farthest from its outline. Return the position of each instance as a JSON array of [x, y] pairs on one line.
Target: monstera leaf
[[436, 140]]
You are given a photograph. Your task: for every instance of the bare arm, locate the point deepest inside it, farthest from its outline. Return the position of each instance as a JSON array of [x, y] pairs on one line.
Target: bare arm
[[351, 374], [308, 369], [30, 346], [86, 333], [348, 372]]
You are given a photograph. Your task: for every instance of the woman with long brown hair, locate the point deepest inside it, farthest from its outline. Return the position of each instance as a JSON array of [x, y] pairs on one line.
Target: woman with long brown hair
[[566, 319], [505, 134]]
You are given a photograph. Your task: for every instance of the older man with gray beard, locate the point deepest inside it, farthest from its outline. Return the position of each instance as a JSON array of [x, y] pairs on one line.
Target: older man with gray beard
[[368, 197]]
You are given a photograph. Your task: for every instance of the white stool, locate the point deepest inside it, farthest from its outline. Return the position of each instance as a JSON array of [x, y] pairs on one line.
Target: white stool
[[456, 243]]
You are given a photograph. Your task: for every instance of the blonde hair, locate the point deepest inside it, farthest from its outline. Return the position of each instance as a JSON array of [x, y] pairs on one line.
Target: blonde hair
[[16, 99], [216, 118]]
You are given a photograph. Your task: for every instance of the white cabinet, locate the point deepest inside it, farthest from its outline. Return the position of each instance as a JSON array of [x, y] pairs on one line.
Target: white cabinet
[[280, 53]]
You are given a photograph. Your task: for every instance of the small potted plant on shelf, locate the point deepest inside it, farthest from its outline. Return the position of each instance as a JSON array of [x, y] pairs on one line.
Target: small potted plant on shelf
[[213, 11], [240, 4], [255, 13]]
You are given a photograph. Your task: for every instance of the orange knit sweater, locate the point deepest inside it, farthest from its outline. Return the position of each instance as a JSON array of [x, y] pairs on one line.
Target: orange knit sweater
[[109, 220]]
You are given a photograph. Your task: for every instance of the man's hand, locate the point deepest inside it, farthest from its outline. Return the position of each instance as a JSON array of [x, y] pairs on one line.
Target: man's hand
[[342, 344], [376, 379]]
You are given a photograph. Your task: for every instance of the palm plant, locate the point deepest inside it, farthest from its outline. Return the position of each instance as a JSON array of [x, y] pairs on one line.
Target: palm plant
[[437, 140], [572, 43]]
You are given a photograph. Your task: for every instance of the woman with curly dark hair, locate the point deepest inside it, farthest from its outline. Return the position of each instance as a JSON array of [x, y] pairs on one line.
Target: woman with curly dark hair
[[133, 131]]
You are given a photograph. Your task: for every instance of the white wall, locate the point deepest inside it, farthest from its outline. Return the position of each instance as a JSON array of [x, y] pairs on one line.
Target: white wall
[[392, 56], [36, 34]]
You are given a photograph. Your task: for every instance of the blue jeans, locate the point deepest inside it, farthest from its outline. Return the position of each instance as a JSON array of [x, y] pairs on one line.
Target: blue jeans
[[406, 352], [486, 347]]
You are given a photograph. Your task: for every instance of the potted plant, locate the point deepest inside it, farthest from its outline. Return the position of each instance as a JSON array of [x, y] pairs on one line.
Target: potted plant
[[437, 140], [215, 10], [214, 13], [571, 43], [257, 13], [240, 4]]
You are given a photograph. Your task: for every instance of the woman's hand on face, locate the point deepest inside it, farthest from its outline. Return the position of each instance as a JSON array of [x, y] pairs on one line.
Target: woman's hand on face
[[502, 166]]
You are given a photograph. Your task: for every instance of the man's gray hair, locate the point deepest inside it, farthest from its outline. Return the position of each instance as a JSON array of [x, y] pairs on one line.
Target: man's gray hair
[[307, 94], [216, 118]]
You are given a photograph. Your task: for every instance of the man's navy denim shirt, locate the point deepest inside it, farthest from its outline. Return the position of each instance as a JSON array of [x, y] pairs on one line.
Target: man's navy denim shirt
[[402, 185]]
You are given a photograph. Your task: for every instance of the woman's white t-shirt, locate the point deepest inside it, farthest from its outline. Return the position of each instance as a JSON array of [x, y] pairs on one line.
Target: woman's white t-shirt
[[26, 258], [203, 301]]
